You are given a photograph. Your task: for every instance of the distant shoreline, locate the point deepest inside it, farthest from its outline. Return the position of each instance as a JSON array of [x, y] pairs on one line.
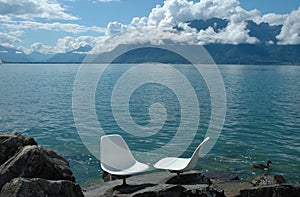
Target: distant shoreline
[[261, 63]]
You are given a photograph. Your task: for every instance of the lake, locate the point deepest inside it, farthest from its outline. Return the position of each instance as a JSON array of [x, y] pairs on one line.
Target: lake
[[262, 115]]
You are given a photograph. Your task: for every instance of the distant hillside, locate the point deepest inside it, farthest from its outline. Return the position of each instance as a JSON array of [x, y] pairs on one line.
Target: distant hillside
[[222, 54], [69, 57], [39, 57], [254, 54], [75, 56], [12, 55]]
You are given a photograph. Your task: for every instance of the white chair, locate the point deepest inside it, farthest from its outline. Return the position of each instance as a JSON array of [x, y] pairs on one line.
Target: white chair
[[117, 159], [179, 165]]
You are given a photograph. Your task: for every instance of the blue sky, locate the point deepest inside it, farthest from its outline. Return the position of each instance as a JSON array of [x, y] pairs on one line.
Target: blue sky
[[62, 25]]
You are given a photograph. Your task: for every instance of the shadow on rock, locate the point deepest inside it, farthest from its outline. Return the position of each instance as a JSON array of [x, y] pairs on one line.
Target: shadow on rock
[[127, 189], [189, 179]]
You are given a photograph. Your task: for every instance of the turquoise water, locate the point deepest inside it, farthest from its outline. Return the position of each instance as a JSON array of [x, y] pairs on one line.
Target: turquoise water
[[262, 117]]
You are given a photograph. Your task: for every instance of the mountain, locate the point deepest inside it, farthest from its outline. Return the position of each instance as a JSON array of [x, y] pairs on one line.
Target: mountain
[[75, 56], [11, 55], [8, 54], [254, 54], [216, 23], [39, 57], [69, 57], [221, 54], [264, 32]]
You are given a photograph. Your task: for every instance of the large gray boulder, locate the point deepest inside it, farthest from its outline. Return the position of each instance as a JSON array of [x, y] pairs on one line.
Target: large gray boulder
[[20, 187], [35, 162], [11, 143], [280, 190]]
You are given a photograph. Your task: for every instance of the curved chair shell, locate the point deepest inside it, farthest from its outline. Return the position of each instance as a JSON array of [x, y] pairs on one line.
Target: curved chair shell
[[179, 165], [117, 159]]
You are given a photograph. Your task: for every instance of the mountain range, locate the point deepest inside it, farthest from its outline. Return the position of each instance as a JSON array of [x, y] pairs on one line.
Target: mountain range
[[267, 51]]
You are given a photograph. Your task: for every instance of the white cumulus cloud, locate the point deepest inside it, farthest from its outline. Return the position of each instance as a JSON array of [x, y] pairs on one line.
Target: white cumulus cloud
[[151, 35], [290, 32], [34, 9], [273, 19], [69, 43], [40, 47], [115, 28], [158, 26]]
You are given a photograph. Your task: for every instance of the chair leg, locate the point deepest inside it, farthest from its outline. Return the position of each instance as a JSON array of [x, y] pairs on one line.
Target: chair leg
[[124, 181]]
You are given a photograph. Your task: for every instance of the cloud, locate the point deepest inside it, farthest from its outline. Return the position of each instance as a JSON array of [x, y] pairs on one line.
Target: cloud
[[234, 33], [151, 35], [28, 9], [273, 19], [69, 43], [106, 1], [115, 28], [158, 27], [8, 40], [175, 11], [290, 32], [40, 47], [56, 26], [64, 45]]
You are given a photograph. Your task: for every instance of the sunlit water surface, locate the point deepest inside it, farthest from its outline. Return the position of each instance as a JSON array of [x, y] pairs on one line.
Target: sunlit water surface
[[262, 117]]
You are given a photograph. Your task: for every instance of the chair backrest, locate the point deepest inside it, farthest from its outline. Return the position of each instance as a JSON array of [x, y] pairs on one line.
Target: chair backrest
[[195, 156], [114, 153]]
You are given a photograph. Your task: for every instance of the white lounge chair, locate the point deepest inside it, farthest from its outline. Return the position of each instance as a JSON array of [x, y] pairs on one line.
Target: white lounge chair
[[179, 165], [117, 159]]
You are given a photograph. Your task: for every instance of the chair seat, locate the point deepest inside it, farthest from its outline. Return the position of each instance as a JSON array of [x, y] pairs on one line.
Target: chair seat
[[138, 167], [180, 165], [172, 163]]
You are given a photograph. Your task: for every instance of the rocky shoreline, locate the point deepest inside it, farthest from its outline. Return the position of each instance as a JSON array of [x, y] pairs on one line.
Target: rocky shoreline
[[218, 184], [27, 169]]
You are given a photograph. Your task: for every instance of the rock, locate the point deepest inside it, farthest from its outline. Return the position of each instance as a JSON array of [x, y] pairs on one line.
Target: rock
[[35, 162], [11, 143], [229, 182], [145, 190], [159, 190], [282, 190], [268, 179], [203, 190], [110, 177], [232, 188], [158, 184], [221, 175], [186, 179], [40, 187]]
